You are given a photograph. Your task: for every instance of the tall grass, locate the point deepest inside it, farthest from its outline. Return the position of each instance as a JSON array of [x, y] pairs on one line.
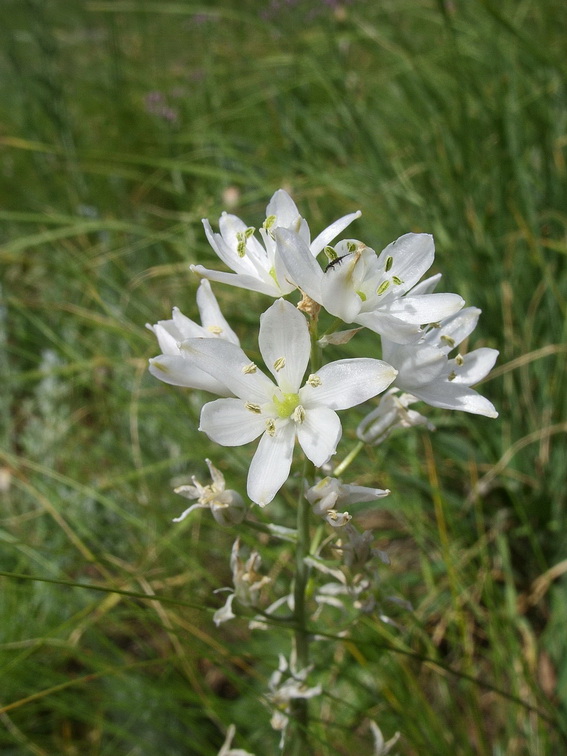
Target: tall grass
[[126, 122]]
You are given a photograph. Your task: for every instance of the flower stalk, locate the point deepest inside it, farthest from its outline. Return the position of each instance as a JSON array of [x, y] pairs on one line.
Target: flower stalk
[[299, 709], [291, 400]]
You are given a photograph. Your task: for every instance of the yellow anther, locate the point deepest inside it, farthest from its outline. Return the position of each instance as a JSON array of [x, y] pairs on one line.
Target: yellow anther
[[255, 408]]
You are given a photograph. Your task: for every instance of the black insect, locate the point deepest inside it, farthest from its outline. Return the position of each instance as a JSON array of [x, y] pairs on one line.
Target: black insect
[[337, 261]]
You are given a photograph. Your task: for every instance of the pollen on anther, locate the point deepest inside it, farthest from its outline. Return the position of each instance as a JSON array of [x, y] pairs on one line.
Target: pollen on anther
[[314, 380], [270, 427], [255, 408], [248, 369], [216, 330], [448, 340], [298, 414], [279, 364]]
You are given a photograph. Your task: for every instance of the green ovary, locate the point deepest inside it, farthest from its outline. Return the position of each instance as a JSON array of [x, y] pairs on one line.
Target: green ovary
[[285, 404]]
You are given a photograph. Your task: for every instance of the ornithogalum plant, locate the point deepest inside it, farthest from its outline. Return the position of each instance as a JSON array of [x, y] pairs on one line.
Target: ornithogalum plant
[[295, 395]]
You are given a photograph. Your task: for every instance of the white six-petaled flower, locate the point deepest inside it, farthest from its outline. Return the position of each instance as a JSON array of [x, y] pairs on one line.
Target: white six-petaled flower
[[171, 366], [282, 411], [247, 580], [283, 690], [373, 290], [426, 371], [226, 505], [257, 265], [328, 494]]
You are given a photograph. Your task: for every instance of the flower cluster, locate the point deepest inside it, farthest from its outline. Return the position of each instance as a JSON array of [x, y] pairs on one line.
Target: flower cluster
[[286, 393], [417, 328]]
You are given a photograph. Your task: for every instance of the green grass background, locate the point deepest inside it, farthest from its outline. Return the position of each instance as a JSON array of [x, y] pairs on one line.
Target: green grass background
[[122, 124]]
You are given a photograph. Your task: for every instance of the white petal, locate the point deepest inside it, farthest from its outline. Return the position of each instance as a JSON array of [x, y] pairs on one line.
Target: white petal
[[358, 494], [284, 208], [454, 396], [417, 364], [211, 315], [391, 327], [229, 423], [328, 234], [338, 290], [285, 344], [185, 327], [426, 308], [412, 255], [255, 259], [427, 286], [167, 335], [304, 270], [271, 463], [346, 383], [179, 371], [319, 434], [281, 275], [225, 613], [229, 364], [216, 476], [190, 509], [227, 250], [476, 366], [454, 330], [240, 280]]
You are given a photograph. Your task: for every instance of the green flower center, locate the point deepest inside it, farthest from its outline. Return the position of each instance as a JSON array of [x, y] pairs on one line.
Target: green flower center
[[286, 404]]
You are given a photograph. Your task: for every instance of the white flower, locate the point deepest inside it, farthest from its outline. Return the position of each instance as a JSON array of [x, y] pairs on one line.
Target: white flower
[[359, 286], [257, 264], [171, 366], [392, 412], [425, 370], [281, 693], [330, 493], [226, 748], [279, 412], [226, 505], [382, 747], [248, 583], [359, 595]]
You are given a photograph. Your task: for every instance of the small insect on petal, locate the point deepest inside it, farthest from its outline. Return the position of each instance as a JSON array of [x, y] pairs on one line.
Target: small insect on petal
[[337, 261]]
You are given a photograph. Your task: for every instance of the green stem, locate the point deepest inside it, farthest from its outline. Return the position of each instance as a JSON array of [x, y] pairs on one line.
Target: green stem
[[353, 453], [299, 708], [301, 578]]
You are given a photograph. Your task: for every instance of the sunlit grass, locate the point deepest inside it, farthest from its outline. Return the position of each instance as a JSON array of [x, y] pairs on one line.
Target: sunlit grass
[[440, 117]]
